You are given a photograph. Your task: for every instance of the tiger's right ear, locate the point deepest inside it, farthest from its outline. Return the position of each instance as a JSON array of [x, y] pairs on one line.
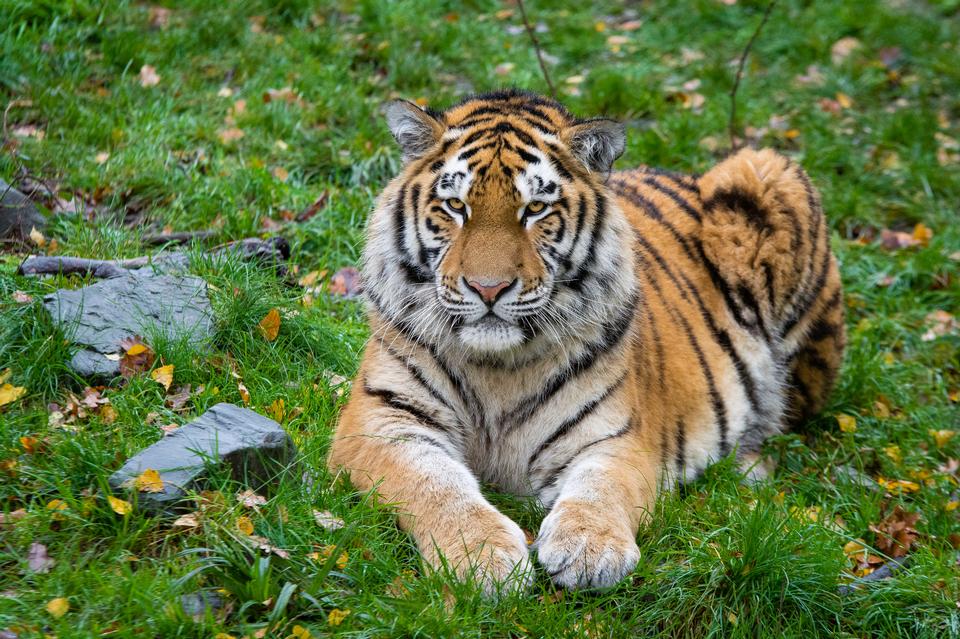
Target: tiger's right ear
[[415, 129]]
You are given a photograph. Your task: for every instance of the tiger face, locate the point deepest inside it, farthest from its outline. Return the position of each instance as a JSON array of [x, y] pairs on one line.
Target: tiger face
[[501, 208]]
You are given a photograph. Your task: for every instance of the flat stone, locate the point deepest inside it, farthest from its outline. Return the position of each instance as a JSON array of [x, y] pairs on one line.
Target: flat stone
[[138, 302], [255, 447], [18, 215]]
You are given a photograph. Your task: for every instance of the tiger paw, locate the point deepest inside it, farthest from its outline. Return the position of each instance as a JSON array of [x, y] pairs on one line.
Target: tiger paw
[[579, 548], [493, 552]]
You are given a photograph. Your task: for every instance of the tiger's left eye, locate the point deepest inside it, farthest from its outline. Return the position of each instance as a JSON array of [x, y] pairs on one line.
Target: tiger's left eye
[[536, 207], [456, 204]]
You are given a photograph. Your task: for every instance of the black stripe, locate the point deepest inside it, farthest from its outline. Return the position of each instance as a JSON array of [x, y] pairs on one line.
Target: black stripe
[[720, 335], [681, 180], [673, 195], [736, 200], [613, 333], [566, 427], [400, 223], [716, 401], [403, 404], [586, 266], [681, 444], [555, 474], [419, 376], [810, 296], [527, 157]]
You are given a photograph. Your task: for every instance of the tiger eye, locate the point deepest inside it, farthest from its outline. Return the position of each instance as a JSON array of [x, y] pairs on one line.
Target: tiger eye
[[536, 206], [456, 204]]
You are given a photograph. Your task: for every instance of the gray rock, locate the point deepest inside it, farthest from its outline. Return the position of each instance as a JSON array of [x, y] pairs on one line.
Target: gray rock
[[139, 302], [17, 213], [196, 605], [255, 447]]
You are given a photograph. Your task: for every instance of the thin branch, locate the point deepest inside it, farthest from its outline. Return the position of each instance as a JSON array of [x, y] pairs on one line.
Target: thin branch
[[153, 239], [736, 82], [536, 46]]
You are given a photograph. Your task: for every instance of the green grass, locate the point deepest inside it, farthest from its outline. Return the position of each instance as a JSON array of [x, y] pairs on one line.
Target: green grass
[[720, 559]]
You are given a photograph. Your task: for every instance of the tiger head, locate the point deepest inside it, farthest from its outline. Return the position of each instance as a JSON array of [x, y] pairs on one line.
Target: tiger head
[[499, 232]]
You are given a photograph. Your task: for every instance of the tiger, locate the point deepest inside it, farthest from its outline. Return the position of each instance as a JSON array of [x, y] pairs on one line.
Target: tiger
[[586, 338]]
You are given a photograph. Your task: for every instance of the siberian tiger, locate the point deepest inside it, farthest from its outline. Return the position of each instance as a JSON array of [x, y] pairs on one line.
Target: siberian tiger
[[552, 329]]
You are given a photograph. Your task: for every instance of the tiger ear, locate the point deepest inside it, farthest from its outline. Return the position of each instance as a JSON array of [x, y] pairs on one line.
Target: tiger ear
[[415, 129], [596, 143]]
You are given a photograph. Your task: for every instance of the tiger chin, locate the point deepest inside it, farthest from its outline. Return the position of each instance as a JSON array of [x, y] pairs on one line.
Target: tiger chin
[[581, 336]]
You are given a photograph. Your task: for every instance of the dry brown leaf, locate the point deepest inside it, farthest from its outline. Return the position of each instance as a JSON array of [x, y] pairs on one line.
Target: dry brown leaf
[[269, 326], [842, 49], [137, 357], [327, 520], [230, 135], [939, 323], [346, 282], [250, 499], [896, 533], [22, 298], [190, 520]]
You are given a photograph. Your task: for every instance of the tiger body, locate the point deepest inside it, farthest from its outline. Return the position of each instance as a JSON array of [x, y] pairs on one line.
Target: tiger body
[[582, 337]]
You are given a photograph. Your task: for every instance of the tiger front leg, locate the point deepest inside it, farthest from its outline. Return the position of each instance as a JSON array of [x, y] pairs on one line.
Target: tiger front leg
[[438, 499], [588, 539]]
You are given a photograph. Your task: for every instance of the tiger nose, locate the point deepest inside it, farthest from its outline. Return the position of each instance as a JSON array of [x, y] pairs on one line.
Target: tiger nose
[[488, 291]]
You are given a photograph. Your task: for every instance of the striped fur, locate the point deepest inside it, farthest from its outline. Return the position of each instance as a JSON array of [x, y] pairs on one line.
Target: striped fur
[[653, 323]]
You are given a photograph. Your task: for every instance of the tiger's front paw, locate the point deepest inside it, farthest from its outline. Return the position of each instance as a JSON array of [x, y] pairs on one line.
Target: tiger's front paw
[[580, 548], [493, 551]]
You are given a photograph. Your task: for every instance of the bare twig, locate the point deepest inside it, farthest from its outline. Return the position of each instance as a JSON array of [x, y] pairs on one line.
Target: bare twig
[[536, 46], [53, 265], [736, 82]]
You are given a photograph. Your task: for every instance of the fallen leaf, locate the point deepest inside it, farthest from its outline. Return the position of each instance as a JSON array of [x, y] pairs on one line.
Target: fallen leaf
[[101, 158], [938, 323], [38, 560], [6, 519], [22, 298], [177, 400], [286, 94], [318, 205], [327, 520], [119, 506], [896, 533], [299, 632], [137, 357], [244, 393], [163, 376], [280, 173], [148, 76], [269, 326], [895, 240], [244, 525], [159, 17], [324, 554], [277, 409], [250, 499], [941, 437], [31, 444], [108, 414], [844, 100], [898, 486], [922, 234], [149, 481], [848, 423], [346, 282], [504, 68], [842, 49], [336, 616], [37, 237], [230, 135], [57, 506], [58, 607], [190, 520], [10, 393], [813, 77]]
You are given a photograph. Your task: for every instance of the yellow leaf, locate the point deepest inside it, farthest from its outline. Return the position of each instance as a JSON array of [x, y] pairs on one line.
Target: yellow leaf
[[853, 548], [844, 100], [299, 632], [5, 375], [223, 635], [58, 607], [269, 326], [277, 410], [119, 506], [897, 486], [137, 348], [791, 134], [732, 618], [108, 414], [951, 505], [280, 173], [149, 481], [848, 423], [336, 616], [10, 393], [163, 376], [244, 393], [244, 525], [600, 27], [942, 436], [29, 444], [922, 233], [893, 452], [57, 505], [37, 237]]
